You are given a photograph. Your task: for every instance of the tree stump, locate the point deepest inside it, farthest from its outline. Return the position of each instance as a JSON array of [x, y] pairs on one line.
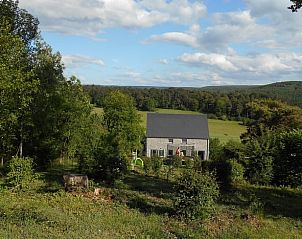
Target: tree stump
[[74, 182]]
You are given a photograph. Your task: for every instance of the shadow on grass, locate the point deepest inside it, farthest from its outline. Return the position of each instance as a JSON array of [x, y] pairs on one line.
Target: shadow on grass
[[272, 201], [53, 178], [147, 194], [147, 184]]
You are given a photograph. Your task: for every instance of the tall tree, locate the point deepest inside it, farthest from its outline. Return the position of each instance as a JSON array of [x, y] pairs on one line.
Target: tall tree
[[122, 122], [18, 84]]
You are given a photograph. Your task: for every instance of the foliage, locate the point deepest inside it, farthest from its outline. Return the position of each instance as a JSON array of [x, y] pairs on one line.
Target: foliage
[[271, 115], [260, 159], [122, 123], [236, 175], [153, 165], [196, 193], [297, 4], [20, 173], [233, 150], [288, 159], [40, 110], [216, 149], [216, 102]]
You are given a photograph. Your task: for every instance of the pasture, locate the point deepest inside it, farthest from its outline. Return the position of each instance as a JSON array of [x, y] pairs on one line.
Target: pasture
[[223, 129]]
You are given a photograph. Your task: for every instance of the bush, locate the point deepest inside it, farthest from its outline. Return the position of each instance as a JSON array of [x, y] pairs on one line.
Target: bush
[[236, 172], [226, 172], [196, 193], [20, 172], [288, 159], [153, 165]]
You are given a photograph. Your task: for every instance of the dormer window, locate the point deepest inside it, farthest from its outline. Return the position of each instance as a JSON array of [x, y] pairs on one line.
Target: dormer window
[[171, 141], [184, 141]]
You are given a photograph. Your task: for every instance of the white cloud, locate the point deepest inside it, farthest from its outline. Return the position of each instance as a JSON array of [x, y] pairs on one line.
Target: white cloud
[[89, 17], [257, 63], [178, 37], [218, 60], [163, 61], [75, 61], [247, 69]]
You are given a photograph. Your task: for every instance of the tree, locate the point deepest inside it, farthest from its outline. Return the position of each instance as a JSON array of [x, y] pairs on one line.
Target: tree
[[288, 159], [18, 84], [268, 114], [20, 22], [40, 110], [260, 159], [122, 122], [297, 4]]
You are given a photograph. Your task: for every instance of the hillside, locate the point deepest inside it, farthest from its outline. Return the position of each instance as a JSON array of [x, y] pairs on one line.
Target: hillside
[[289, 91]]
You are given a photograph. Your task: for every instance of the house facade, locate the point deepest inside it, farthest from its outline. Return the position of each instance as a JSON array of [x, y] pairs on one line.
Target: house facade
[[177, 134]]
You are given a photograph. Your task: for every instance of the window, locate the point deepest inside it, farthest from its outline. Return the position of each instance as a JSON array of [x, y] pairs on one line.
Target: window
[[184, 152], [201, 155], [153, 152], [171, 141], [161, 153], [170, 152], [184, 141]]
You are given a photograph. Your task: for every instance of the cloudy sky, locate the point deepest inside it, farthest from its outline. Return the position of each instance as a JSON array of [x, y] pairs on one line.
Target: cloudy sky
[[173, 42]]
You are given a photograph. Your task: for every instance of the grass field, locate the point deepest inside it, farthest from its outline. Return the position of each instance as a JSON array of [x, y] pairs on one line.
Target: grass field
[[141, 207], [224, 130]]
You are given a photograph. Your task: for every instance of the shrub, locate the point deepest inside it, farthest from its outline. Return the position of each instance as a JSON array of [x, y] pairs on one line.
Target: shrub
[[236, 172], [226, 172], [260, 160], [153, 165], [196, 193], [156, 165], [288, 159], [20, 172]]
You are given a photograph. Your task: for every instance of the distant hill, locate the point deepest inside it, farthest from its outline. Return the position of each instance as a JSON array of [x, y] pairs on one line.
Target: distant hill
[[289, 91], [227, 88]]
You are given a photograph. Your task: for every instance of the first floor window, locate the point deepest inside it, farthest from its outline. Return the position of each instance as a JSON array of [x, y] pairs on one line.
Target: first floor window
[[161, 153], [170, 152], [153, 152]]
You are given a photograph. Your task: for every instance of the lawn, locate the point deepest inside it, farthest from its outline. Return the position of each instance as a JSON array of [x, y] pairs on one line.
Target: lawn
[[140, 206]]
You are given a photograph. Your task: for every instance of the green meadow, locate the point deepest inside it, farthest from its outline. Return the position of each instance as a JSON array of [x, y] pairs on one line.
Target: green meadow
[[223, 129]]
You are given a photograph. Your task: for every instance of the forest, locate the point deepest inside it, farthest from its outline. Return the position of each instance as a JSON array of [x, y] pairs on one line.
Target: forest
[[224, 102]]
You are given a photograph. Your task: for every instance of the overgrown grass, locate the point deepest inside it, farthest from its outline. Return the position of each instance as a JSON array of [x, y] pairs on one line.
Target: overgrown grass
[[140, 206]]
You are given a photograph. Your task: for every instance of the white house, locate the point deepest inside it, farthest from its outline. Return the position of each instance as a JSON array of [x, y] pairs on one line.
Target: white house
[[171, 134]]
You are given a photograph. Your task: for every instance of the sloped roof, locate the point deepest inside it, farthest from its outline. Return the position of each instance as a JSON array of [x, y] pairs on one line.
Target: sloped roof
[[177, 126]]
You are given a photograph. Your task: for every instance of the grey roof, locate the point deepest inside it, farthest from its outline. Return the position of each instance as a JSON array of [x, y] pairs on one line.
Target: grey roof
[[177, 126]]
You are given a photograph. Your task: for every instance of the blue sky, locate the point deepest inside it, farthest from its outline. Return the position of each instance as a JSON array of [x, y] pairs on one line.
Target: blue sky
[[175, 42]]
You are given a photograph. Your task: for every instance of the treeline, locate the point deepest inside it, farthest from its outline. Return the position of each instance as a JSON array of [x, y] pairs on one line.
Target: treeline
[[229, 105], [40, 109]]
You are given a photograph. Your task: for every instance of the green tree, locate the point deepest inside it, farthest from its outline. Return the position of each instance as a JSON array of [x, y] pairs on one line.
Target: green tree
[[123, 124], [288, 159], [20, 22], [18, 84], [260, 159], [271, 115], [216, 149]]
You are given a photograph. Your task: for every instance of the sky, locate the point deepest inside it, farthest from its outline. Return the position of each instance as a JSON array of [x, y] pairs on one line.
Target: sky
[[173, 43]]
